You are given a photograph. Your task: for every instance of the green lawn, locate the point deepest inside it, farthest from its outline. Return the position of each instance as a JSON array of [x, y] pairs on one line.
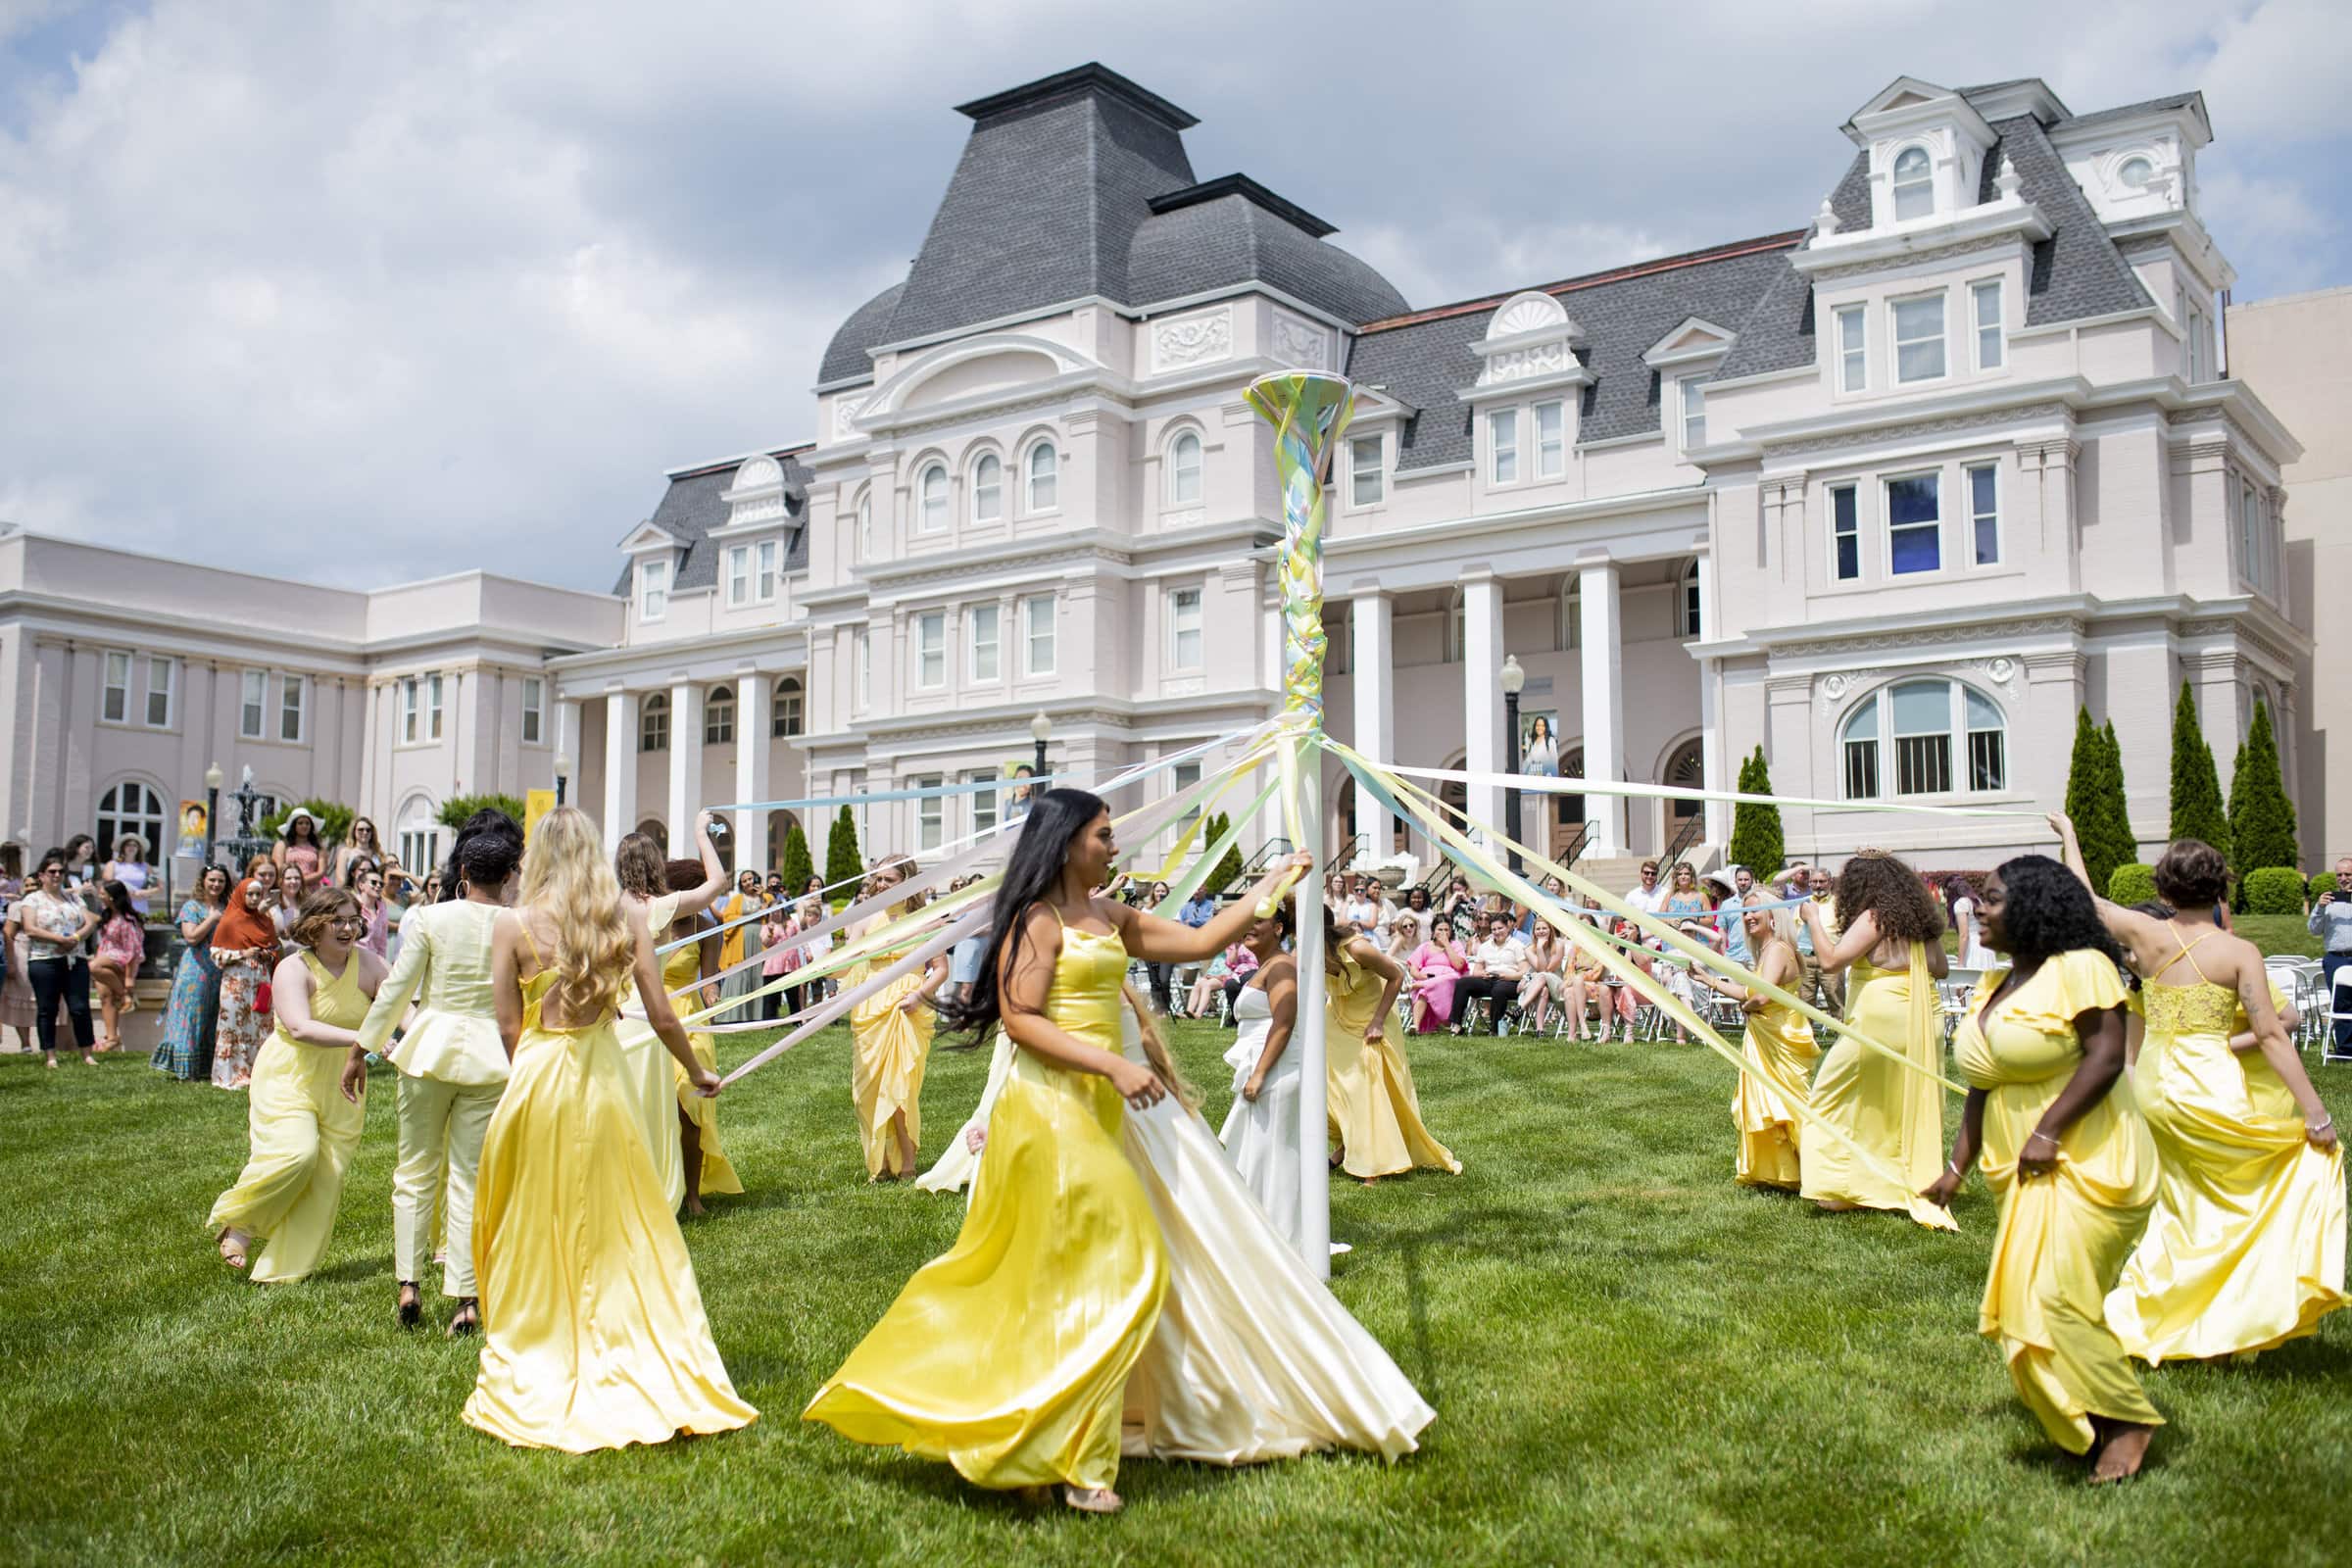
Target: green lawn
[[1631, 1360]]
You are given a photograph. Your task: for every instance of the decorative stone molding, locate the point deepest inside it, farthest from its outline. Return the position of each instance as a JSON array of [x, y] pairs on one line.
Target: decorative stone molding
[[1189, 517], [1943, 252], [756, 494], [1529, 335], [1198, 339], [1895, 425], [1299, 342], [1928, 637], [845, 410]]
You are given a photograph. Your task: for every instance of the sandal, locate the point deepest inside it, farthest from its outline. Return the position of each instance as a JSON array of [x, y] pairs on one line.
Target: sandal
[[1093, 1500], [468, 1319], [233, 1243], [410, 1311]]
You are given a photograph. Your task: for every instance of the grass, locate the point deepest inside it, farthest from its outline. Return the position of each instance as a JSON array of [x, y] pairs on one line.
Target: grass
[[1631, 1360]]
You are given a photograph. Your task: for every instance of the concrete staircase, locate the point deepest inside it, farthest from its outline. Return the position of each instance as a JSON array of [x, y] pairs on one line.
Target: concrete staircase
[[1621, 873]]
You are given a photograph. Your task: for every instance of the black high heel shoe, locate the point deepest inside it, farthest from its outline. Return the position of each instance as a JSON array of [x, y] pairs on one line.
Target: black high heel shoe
[[468, 1319], [411, 1305]]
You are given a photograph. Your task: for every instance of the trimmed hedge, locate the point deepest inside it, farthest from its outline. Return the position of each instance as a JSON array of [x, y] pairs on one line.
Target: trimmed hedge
[[2274, 890], [2132, 884]]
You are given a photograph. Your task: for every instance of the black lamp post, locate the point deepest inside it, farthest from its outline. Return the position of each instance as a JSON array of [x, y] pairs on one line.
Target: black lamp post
[[562, 774], [247, 798], [212, 813], [1040, 729], [1515, 680]]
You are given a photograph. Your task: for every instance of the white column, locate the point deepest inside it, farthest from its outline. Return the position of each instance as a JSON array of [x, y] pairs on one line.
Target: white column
[[1481, 691], [1374, 673], [567, 744], [1603, 657], [753, 694], [1315, 1164], [686, 765], [1711, 763], [621, 767]]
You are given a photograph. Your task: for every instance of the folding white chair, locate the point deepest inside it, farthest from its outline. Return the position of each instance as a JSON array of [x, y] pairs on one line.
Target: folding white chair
[[2339, 1012]]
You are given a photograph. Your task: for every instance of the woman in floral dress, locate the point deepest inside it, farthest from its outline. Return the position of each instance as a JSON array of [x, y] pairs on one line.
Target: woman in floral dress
[[194, 1011], [245, 948]]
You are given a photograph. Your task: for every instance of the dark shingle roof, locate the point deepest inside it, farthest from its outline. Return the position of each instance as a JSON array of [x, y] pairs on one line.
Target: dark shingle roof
[[691, 507], [1425, 361], [1235, 240], [2178, 100], [1778, 333], [846, 357]]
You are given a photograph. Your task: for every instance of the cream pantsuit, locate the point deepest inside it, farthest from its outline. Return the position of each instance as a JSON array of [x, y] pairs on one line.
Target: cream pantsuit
[[453, 1069]]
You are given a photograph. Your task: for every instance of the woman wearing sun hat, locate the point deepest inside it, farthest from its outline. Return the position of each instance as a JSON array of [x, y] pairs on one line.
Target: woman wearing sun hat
[[299, 844]]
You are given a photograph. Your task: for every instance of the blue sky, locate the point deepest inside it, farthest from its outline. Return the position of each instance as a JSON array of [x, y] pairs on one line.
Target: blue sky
[[392, 289]]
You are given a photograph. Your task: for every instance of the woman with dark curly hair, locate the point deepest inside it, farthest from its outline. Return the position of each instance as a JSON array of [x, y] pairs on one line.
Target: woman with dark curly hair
[[2245, 1249], [1891, 935], [2072, 1163]]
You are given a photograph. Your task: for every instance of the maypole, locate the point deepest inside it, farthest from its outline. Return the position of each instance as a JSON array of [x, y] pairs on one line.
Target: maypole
[[1308, 414]]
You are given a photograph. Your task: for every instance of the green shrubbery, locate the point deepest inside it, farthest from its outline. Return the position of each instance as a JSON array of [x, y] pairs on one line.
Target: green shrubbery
[[2132, 884], [2320, 884], [2273, 890], [1756, 839], [458, 809]]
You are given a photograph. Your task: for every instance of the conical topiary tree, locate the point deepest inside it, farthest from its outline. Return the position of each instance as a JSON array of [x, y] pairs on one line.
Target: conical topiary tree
[[1228, 869], [797, 867], [1756, 839], [842, 864], [2262, 819], [2086, 802], [2197, 810], [2114, 807]]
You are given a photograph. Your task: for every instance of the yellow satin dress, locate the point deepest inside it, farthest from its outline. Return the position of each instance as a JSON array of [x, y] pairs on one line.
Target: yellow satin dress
[[2064, 1237], [888, 1050], [1780, 1044], [1007, 1356], [719, 1172], [1374, 1112], [1892, 1113], [593, 1330], [646, 1065], [302, 1132], [2245, 1249]]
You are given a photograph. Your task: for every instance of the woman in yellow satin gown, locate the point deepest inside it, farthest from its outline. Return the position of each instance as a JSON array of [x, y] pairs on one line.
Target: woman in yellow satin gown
[[687, 975], [890, 1035], [304, 1120], [646, 890], [1778, 1042], [1891, 938], [1374, 1111], [2245, 1249], [593, 1331], [1007, 1356], [2066, 1152]]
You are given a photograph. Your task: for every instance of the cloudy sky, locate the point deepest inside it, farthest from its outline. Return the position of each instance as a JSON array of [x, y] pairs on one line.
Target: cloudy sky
[[359, 292]]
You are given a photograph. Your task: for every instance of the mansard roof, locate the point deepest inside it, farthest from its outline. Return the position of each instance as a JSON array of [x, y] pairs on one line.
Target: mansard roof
[[1078, 186], [691, 509]]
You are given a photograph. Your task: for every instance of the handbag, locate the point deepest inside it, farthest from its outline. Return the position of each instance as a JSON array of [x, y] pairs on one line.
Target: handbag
[[261, 999]]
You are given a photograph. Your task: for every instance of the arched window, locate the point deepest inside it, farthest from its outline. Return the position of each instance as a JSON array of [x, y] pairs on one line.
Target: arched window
[[1914, 184], [1943, 737], [1688, 621], [1456, 628], [1571, 808], [417, 832], [653, 827], [132, 807], [1685, 769], [865, 527], [988, 488], [652, 723], [784, 713], [2135, 172], [719, 717], [1568, 622], [1184, 471], [779, 828], [1044, 471], [931, 506]]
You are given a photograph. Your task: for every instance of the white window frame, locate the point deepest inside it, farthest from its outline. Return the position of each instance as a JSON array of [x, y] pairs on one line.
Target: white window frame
[[1992, 337], [1690, 611], [991, 671], [1897, 185], [718, 715], [931, 499], [930, 814], [1942, 339], [1979, 513], [1182, 777], [1041, 491], [766, 554], [655, 721], [988, 494], [1031, 636], [411, 708], [535, 710], [1853, 359], [130, 806], [284, 685], [787, 715], [420, 844], [1691, 390], [1886, 484], [169, 667], [931, 651], [739, 576], [653, 590], [1502, 446], [1552, 445], [1183, 624], [864, 542], [984, 802], [432, 704], [863, 670], [1367, 482], [114, 668], [1853, 489], [1180, 493], [1886, 762], [253, 702]]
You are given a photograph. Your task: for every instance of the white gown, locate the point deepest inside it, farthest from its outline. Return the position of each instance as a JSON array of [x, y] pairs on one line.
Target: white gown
[[1254, 1358], [1263, 1137], [958, 1164]]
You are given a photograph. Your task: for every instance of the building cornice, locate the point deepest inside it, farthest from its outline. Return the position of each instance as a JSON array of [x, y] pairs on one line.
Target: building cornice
[[783, 641], [1841, 255], [2077, 614], [1486, 526]]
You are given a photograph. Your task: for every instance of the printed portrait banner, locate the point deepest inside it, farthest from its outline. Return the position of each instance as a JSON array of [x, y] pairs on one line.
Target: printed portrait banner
[[195, 827]]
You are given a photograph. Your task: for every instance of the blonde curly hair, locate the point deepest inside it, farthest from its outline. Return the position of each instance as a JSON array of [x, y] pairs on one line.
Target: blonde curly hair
[[564, 873]]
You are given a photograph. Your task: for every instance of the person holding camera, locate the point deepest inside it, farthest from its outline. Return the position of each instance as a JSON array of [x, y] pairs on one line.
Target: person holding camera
[[2332, 922]]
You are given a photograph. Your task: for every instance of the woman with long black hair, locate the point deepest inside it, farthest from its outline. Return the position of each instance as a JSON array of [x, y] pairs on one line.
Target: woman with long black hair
[[1009, 1356], [2072, 1163]]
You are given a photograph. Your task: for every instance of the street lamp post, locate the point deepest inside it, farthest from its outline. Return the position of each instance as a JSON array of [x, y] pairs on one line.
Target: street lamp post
[[1041, 730], [213, 781], [1515, 680], [562, 774]]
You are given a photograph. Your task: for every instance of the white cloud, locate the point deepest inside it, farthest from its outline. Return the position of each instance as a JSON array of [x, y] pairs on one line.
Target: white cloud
[[424, 287]]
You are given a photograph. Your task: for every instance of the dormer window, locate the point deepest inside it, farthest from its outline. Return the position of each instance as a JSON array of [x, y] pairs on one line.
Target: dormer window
[[1919, 338], [1695, 411], [1914, 184], [2135, 173], [653, 589]]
